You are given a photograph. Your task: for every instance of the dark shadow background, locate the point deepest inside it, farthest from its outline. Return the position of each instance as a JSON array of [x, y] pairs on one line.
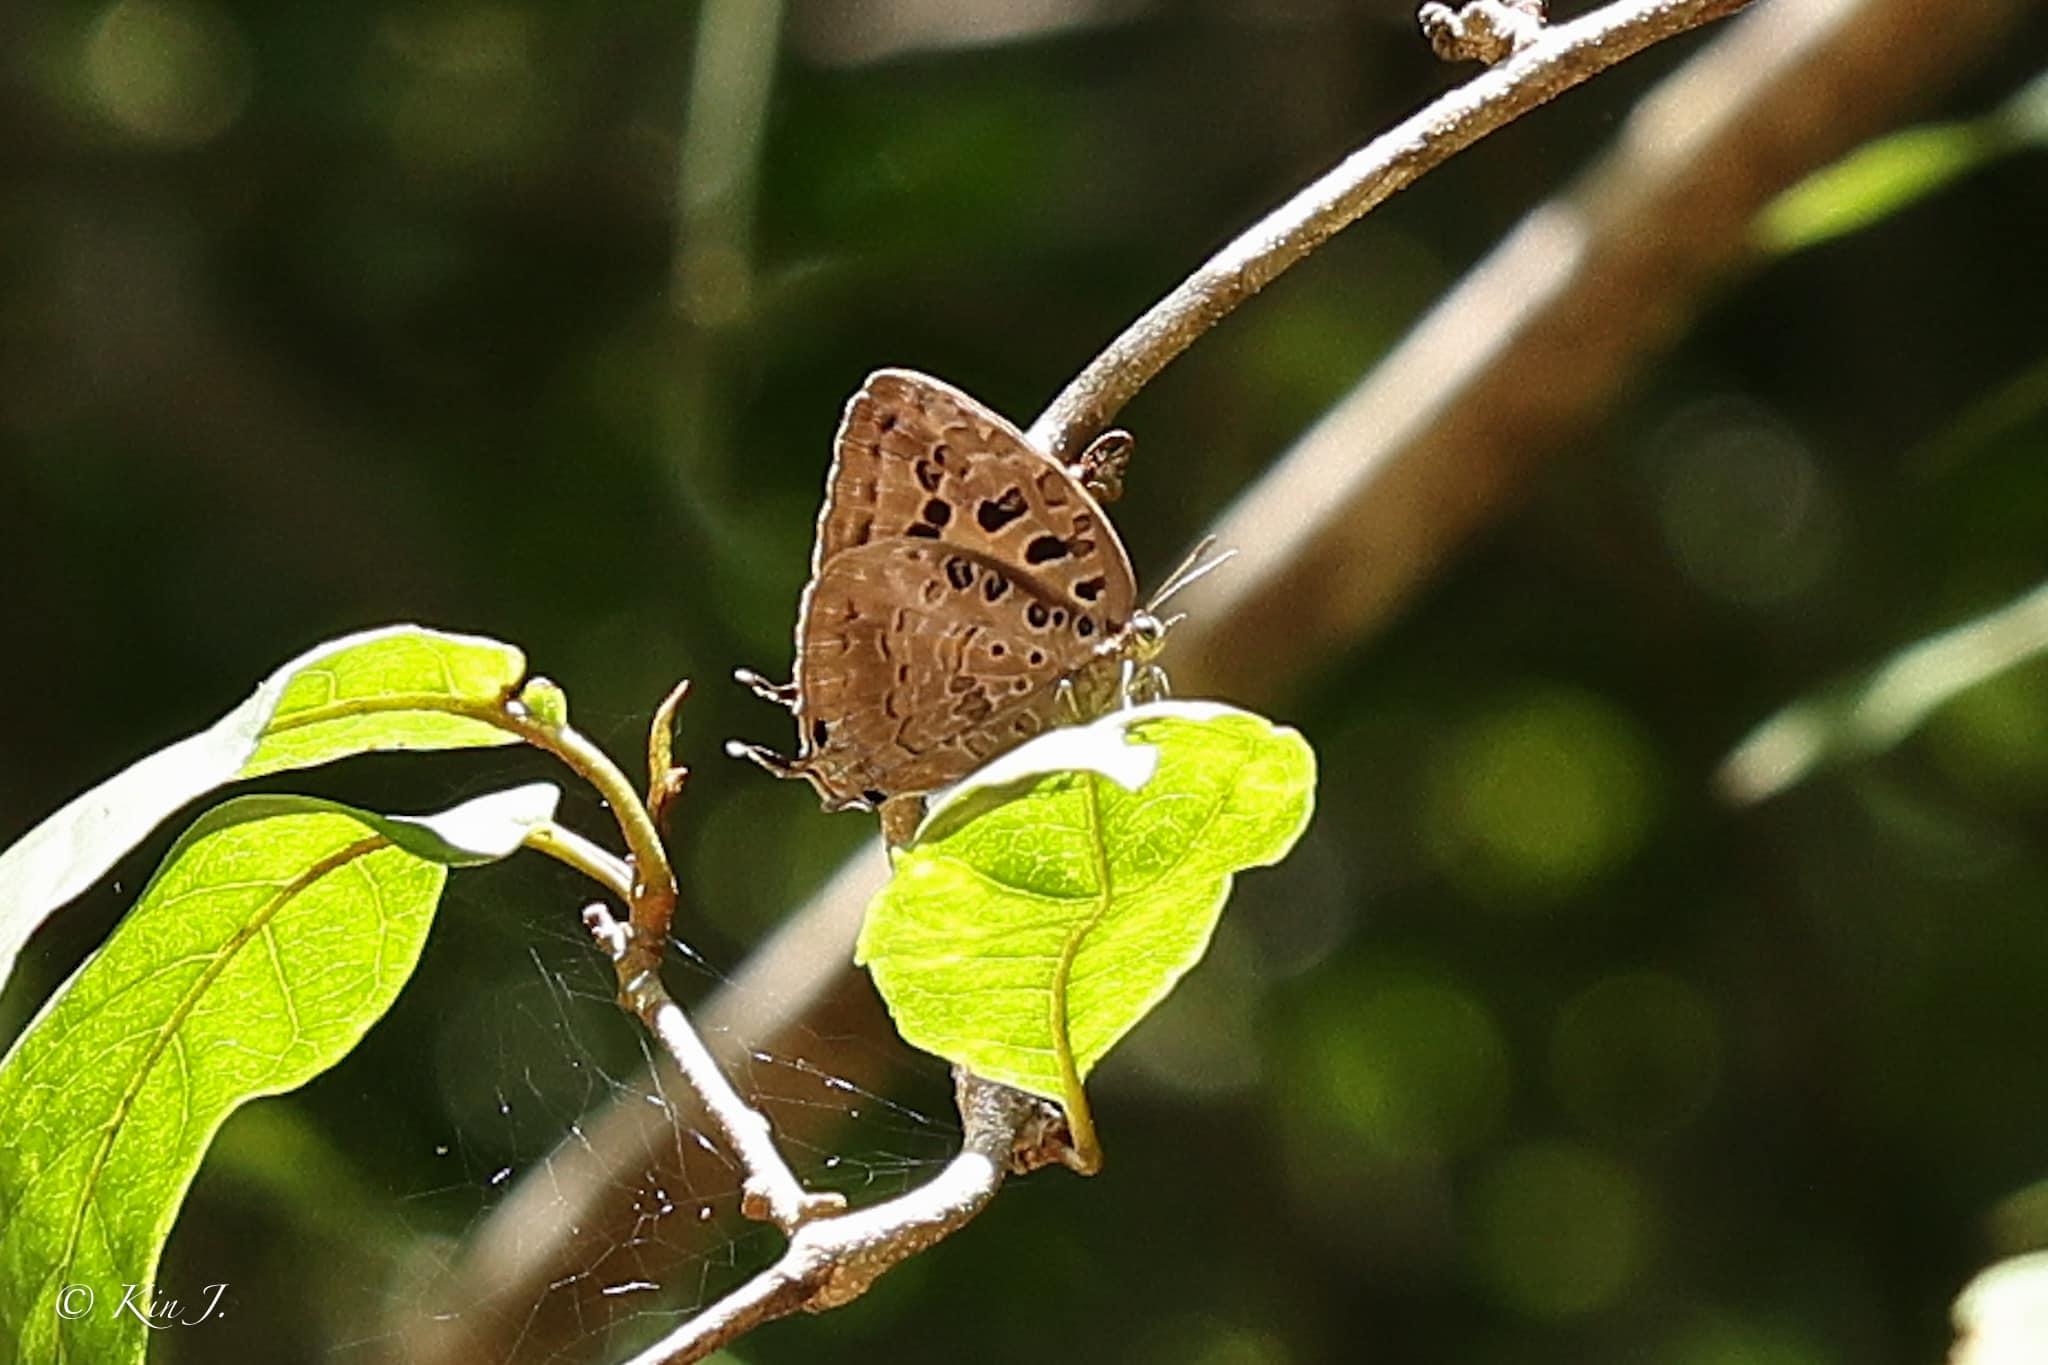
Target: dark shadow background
[[319, 317]]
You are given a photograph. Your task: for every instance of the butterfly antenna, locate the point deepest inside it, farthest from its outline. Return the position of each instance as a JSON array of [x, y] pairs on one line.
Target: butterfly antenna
[[1197, 566]]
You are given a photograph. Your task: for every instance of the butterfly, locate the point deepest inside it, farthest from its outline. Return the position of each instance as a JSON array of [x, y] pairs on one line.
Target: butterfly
[[967, 592]]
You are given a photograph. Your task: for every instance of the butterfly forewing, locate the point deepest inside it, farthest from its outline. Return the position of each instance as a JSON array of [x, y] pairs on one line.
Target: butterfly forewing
[[918, 458], [960, 577]]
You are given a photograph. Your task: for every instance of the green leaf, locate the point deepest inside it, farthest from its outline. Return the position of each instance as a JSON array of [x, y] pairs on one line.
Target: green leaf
[[1873, 182], [275, 933], [1872, 713], [1893, 173], [1023, 937], [402, 687]]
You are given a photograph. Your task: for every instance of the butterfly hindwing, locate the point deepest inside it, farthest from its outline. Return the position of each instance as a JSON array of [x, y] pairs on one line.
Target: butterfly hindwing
[[920, 661]]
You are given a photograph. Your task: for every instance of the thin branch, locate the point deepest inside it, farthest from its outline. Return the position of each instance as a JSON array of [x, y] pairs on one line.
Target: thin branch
[[834, 1261], [1544, 69], [771, 1190], [594, 861], [653, 898], [647, 885]]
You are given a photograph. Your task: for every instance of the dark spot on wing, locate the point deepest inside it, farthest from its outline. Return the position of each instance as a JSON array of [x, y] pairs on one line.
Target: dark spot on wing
[[1044, 549], [996, 513]]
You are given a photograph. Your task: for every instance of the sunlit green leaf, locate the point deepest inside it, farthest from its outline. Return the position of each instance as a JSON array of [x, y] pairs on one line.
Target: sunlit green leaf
[[1872, 183], [1024, 937], [1892, 173], [276, 932], [1875, 712], [395, 688]]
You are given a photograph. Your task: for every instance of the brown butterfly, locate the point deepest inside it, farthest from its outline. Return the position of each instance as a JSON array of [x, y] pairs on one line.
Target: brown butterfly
[[966, 593]]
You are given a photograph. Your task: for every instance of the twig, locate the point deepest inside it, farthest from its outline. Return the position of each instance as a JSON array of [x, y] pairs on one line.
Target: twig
[[647, 886], [834, 1261], [771, 1190], [1544, 69]]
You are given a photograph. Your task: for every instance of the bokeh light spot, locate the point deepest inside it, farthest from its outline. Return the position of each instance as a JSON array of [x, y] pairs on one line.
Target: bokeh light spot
[[1744, 505], [1738, 1341], [1558, 1230], [1636, 1054], [1206, 1340], [465, 92], [1533, 801], [167, 71], [1410, 1064], [1993, 737]]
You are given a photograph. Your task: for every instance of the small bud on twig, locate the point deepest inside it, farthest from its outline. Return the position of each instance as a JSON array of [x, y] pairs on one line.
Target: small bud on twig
[[1481, 30]]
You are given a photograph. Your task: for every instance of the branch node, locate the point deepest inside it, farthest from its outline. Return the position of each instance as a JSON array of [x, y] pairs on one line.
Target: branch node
[[1486, 31], [788, 1207], [611, 933]]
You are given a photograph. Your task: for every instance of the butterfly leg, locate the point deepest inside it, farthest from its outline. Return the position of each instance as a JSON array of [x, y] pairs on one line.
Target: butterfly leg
[[763, 755], [1068, 699], [1141, 683], [782, 694]]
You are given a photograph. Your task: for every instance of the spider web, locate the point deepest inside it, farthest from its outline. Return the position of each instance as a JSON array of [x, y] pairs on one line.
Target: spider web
[[583, 1169]]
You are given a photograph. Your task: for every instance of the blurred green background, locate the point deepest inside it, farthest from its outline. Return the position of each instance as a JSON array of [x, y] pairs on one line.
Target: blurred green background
[[535, 321]]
